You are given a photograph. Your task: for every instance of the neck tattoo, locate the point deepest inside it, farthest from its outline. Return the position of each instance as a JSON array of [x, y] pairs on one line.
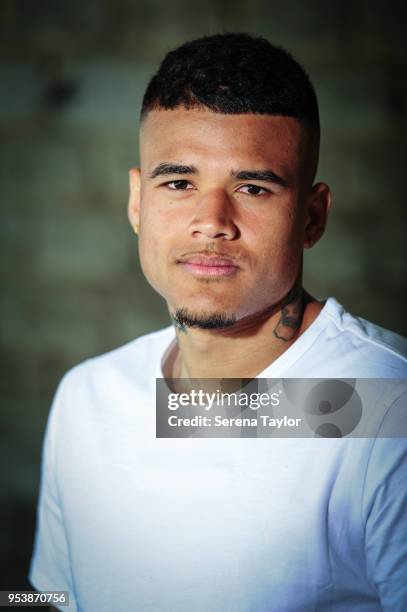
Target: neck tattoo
[[292, 313], [178, 325]]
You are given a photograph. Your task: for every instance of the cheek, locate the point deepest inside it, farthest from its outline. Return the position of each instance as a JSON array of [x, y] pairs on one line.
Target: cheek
[[157, 213], [151, 238], [163, 224], [277, 234], [156, 240]]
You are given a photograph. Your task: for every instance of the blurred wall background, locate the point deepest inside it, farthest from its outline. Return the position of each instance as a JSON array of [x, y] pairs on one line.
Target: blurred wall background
[[72, 77]]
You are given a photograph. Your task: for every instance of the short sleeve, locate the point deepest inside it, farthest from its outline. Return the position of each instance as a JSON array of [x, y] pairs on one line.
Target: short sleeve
[[385, 509], [50, 568]]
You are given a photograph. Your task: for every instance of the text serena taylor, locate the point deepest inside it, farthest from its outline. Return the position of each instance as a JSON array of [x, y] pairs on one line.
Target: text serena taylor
[[218, 421]]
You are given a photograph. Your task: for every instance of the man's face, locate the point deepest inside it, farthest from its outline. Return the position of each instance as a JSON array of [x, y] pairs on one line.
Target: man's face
[[222, 208]]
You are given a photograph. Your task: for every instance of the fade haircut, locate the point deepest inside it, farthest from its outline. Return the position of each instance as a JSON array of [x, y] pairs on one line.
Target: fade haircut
[[236, 73]]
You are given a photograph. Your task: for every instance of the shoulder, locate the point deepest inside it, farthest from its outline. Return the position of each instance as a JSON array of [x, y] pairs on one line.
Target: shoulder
[[138, 359], [372, 350], [119, 373]]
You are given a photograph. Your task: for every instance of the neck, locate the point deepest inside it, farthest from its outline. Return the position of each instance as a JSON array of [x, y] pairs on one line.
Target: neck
[[246, 348]]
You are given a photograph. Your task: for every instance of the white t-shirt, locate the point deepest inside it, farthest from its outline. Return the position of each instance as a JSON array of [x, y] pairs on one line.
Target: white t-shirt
[[129, 522]]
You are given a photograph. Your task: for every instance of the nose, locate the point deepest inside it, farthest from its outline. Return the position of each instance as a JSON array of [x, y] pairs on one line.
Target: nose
[[214, 217]]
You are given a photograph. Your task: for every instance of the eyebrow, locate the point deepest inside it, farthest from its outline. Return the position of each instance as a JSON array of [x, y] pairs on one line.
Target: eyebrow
[[269, 176], [166, 168], [260, 175]]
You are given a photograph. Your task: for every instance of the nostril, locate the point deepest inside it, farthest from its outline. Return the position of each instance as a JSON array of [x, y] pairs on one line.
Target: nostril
[[227, 230]]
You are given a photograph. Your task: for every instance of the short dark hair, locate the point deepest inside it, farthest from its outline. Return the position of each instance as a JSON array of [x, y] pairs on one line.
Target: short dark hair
[[235, 73]]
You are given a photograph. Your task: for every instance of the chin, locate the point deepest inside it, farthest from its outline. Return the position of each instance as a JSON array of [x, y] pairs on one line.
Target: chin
[[204, 300]]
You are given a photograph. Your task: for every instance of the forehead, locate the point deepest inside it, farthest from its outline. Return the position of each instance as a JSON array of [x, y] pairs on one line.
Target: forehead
[[199, 135]]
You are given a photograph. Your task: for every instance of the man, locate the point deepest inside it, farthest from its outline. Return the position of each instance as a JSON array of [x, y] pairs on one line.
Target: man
[[224, 204]]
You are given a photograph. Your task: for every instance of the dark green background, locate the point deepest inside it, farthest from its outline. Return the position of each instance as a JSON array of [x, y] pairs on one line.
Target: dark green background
[[72, 77]]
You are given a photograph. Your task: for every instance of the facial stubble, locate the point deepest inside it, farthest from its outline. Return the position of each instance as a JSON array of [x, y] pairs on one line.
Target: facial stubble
[[183, 318]]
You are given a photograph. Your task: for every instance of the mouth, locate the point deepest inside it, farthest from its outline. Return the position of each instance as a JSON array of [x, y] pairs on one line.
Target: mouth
[[209, 265]]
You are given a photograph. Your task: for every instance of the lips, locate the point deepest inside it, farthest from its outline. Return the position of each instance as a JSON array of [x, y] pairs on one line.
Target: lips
[[209, 265]]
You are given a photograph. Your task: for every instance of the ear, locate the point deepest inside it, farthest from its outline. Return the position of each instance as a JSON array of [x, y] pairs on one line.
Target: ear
[[318, 207], [133, 207]]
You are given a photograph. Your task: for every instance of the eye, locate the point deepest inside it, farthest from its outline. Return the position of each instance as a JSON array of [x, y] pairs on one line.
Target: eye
[[179, 185], [253, 190]]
